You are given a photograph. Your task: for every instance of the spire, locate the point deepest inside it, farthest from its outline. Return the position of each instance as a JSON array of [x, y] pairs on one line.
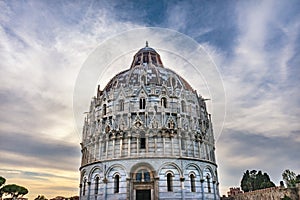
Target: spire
[[146, 43]]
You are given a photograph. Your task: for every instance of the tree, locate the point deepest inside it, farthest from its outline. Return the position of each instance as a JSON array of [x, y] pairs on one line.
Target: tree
[[290, 178], [254, 180], [40, 197], [14, 190], [2, 181]]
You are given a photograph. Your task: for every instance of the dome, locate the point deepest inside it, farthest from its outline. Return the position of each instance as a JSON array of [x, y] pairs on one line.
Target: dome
[[146, 135], [147, 69]]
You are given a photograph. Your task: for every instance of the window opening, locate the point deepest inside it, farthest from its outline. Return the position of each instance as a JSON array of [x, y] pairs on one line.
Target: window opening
[[116, 183], [182, 144], [143, 143], [121, 105], [183, 106], [143, 176], [208, 184], [192, 178], [169, 182], [104, 109], [96, 185], [163, 102], [142, 103]]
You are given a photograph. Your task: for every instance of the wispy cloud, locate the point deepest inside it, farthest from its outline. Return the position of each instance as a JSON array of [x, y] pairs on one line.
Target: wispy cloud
[[43, 45], [263, 113]]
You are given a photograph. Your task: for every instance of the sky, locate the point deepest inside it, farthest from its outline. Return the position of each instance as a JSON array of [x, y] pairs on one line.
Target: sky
[[44, 46]]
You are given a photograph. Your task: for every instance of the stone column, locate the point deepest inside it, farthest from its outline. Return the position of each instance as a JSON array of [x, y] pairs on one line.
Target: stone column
[[147, 143], [100, 147], [113, 150], [156, 189], [129, 144], [164, 144], [179, 142], [182, 187], [106, 149], [199, 149], [172, 146], [155, 144], [214, 186], [137, 146], [128, 189], [80, 190], [105, 188], [121, 145], [193, 142], [202, 188], [89, 190], [95, 150]]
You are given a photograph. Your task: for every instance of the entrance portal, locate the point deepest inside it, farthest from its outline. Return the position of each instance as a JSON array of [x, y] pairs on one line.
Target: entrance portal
[[143, 194]]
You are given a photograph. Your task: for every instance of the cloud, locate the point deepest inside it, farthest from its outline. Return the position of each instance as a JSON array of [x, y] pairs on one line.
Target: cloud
[[256, 92], [42, 48], [36, 151], [43, 45], [262, 102]]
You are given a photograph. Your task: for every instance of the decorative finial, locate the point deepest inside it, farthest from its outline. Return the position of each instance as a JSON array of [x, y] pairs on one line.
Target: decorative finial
[[146, 43]]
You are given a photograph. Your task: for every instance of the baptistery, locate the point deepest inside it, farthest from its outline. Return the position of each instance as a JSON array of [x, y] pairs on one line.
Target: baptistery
[[147, 136]]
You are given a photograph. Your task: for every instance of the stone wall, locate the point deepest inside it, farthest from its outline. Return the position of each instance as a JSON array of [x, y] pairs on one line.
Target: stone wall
[[274, 193]]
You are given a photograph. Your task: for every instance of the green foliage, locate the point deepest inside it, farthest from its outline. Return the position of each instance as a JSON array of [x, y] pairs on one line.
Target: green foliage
[[286, 198], [2, 181], [290, 178], [41, 197], [14, 190], [254, 180]]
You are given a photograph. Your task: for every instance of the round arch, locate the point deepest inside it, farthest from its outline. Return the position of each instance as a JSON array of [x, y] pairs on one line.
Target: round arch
[[171, 164], [93, 170], [196, 166], [115, 166], [209, 168], [142, 165]]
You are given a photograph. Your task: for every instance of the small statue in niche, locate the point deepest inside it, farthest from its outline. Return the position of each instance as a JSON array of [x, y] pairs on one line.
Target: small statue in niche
[[107, 129]]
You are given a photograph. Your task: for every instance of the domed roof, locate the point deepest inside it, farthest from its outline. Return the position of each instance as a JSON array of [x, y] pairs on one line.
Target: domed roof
[[146, 49], [147, 69]]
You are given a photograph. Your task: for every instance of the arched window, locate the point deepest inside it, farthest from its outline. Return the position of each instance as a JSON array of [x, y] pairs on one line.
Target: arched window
[[84, 186], [163, 102], [121, 105], [96, 185], [117, 183], [142, 103], [169, 182], [143, 176], [192, 179], [208, 183], [104, 109], [183, 106]]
